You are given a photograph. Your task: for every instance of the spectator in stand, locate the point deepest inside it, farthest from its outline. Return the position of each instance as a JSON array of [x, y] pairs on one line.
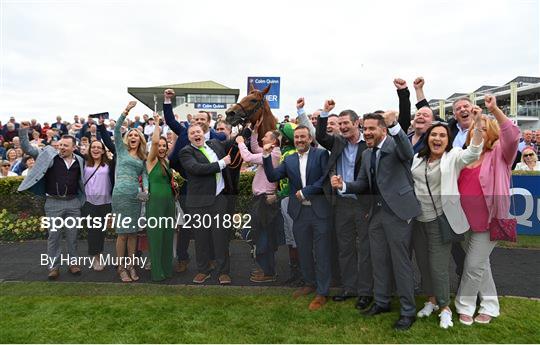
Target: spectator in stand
[[92, 133], [529, 160], [484, 186], [85, 128], [286, 119], [76, 119], [2, 149], [50, 136], [36, 126], [149, 128], [62, 128], [527, 141], [137, 122], [16, 143], [28, 162], [44, 130], [4, 169], [11, 157], [9, 132], [36, 141]]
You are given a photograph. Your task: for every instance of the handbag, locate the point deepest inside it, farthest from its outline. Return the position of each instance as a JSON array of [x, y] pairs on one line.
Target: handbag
[[504, 229], [447, 234]]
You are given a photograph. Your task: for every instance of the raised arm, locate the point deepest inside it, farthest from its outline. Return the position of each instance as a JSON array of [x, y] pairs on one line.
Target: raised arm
[[419, 90], [174, 125], [255, 158], [105, 136], [403, 93], [25, 143], [118, 142], [323, 138], [509, 132], [302, 117], [152, 155], [404, 148]]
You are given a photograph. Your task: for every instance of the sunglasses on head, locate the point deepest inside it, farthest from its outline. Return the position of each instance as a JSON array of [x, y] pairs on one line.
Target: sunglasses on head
[[439, 123]]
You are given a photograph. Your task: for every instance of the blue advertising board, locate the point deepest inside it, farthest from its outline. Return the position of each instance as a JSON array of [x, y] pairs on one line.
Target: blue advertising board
[[273, 94], [526, 204], [210, 106]]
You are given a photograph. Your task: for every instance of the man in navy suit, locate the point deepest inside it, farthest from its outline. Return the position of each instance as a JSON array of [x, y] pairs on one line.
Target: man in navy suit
[[309, 209]]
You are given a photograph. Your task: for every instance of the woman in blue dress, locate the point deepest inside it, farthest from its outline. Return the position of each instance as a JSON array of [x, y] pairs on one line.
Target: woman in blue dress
[[126, 196]]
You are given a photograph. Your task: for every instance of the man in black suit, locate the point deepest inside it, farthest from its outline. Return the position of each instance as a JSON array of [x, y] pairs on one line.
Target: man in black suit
[[309, 210], [62, 128], [386, 175], [350, 210], [205, 167]]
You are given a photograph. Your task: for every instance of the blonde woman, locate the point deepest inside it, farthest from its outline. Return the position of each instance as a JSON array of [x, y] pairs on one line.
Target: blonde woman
[[529, 160], [126, 199]]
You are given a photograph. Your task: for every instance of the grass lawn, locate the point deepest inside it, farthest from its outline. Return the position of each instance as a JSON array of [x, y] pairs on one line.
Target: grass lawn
[[523, 241], [42, 312]]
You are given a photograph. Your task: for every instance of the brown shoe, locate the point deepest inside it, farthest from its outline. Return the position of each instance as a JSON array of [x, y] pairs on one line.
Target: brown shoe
[[54, 274], [75, 270], [181, 266], [257, 272], [201, 278], [262, 278], [224, 279], [303, 291], [317, 302]]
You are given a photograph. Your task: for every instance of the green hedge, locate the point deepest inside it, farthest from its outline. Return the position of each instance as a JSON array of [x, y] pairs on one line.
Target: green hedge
[[20, 213]]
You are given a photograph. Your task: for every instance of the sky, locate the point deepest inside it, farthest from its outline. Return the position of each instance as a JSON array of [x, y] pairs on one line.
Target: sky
[[79, 57]]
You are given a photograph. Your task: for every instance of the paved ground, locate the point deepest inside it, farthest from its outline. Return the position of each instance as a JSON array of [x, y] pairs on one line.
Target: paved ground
[[516, 271]]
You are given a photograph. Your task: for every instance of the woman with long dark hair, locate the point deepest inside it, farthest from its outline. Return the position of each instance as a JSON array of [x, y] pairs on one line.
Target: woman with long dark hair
[[435, 172]]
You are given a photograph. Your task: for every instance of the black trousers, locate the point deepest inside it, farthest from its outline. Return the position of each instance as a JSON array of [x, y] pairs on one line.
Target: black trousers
[[95, 237]]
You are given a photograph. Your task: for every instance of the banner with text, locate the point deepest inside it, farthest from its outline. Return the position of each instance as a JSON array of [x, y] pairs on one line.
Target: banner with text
[[273, 94]]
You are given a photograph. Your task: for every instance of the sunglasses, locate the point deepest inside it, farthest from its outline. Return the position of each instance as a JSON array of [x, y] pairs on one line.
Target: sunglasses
[[528, 155], [439, 123]]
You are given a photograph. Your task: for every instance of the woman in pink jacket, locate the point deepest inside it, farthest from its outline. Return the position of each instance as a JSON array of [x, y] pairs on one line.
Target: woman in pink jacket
[[484, 186]]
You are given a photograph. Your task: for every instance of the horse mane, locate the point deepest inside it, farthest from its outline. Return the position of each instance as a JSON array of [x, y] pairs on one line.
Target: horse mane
[[269, 121]]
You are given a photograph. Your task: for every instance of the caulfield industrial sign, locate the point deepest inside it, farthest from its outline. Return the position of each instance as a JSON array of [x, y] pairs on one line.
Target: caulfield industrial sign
[[273, 94], [210, 106]]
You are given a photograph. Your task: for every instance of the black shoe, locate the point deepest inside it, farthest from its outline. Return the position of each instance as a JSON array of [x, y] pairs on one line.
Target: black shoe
[[363, 302], [404, 323], [343, 297], [376, 310]]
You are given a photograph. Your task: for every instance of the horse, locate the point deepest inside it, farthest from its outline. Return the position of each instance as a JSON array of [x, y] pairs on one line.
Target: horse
[[251, 109]]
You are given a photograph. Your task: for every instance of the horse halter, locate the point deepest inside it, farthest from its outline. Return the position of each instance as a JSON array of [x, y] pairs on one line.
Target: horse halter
[[252, 111]]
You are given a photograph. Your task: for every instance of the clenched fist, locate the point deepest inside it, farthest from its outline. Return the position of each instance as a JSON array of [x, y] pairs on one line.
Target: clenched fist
[[227, 159], [168, 94], [131, 105], [490, 102], [267, 148], [337, 182], [239, 139], [329, 104], [390, 117], [477, 115], [400, 84], [300, 103], [418, 83]]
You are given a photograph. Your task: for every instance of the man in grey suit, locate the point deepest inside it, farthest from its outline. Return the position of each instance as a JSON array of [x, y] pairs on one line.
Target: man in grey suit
[[58, 176], [386, 175]]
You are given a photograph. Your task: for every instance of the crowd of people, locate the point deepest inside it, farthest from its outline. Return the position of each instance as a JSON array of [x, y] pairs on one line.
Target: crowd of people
[[354, 198]]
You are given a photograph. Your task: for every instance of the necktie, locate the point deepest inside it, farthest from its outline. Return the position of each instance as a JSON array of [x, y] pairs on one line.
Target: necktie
[[373, 171], [205, 153]]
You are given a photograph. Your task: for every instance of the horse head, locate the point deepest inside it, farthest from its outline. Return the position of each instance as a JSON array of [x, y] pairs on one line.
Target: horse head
[[249, 109]]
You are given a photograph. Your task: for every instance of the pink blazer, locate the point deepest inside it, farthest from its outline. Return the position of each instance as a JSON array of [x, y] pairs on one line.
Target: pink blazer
[[495, 173]]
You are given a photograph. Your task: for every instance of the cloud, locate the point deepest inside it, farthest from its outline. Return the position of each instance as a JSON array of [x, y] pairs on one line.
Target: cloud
[[77, 57]]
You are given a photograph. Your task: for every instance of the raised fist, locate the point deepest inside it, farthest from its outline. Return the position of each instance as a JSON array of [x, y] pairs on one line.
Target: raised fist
[[300, 103], [490, 102], [477, 114], [267, 148], [329, 104], [131, 105], [390, 117], [337, 182], [418, 83], [227, 159], [400, 84], [168, 94]]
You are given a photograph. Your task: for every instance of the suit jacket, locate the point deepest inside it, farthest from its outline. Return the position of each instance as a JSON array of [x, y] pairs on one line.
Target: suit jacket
[[44, 160], [336, 144], [201, 174], [61, 127], [394, 177], [315, 177]]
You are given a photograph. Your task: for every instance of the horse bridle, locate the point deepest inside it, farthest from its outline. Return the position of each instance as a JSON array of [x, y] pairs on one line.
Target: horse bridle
[[251, 112]]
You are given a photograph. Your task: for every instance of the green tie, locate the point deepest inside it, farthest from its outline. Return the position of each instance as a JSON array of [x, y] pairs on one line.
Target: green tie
[[205, 153]]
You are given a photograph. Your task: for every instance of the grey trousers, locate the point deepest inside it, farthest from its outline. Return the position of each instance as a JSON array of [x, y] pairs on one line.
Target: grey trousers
[[390, 240], [433, 259], [63, 209], [353, 243]]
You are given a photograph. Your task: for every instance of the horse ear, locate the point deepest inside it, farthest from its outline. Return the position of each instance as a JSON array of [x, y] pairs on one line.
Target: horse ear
[[251, 87], [266, 89]]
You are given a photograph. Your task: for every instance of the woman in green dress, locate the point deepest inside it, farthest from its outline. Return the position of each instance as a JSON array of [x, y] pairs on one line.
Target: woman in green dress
[[160, 207], [126, 197]]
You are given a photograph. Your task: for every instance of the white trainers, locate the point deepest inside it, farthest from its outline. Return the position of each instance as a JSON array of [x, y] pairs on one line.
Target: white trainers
[[427, 310], [445, 319]]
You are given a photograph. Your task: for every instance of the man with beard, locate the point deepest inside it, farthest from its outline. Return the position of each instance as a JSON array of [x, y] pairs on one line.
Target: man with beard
[[350, 211], [386, 176], [58, 175], [309, 210]]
